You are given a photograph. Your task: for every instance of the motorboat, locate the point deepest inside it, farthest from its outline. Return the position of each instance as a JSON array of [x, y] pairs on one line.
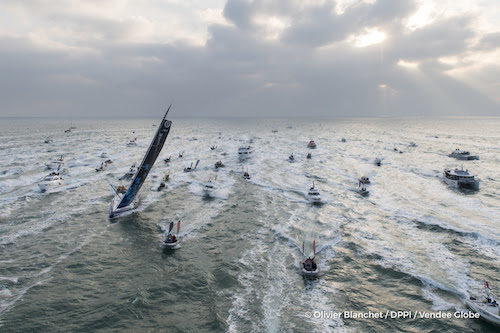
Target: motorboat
[[181, 154], [132, 143], [120, 189], [309, 266], [311, 144], [412, 144], [171, 240], [486, 305], [364, 179], [246, 175], [275, 129], [161, 187], [56, 164], [343, 140], [104, 166], [104, 155], [219, 164], [190, 168], [396, 150], [48, 140], [363, 191], [51, 181], [245, 152], [131, 172], [213, 147], [68, 130], [463, 155], [313, 195], [460, 178], [291, 158], [209, 187], [167, 160], [378, 162], [309, 155]]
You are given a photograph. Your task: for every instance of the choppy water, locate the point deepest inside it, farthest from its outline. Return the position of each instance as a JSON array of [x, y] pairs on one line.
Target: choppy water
[[414, 244]]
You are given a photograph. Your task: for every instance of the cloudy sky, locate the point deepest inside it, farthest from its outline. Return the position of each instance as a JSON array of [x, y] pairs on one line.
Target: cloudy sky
[[281, 58]]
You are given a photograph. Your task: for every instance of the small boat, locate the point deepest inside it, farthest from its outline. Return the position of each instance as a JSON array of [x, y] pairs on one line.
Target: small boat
[[132, 143], [311, 144], [313, 195], [56, 164], [460, 178], [398, 151], [104, 155], [378, 161], [486, 305], [161, 187], [219, 164], [68, 130], [463, 155], [245, 152], [209, 187], [291, 158], [180, 154], [190, 168], [131, 172], [412, 144], [48, 141], [289, 125], [364, 180], [120, 189], [167, 160], [310, 266], [171, 240], [108, 161], [275, 129], [213, 147], [362, 190], [124, 204], [246, 175], [309, 155], [104, 166], [343, 140], [51, 181]]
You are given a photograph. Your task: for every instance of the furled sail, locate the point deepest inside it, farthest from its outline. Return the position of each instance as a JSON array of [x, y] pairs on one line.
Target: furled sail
[[148, 161]]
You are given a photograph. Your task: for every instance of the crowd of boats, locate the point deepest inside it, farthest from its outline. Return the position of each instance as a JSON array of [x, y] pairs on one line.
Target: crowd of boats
[[125, 199]]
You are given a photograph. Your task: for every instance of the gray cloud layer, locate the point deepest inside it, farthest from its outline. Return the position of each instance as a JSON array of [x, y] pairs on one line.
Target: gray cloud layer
[[310, 69]]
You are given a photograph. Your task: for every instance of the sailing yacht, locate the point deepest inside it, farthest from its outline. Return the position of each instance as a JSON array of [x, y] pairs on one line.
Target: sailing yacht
[[125, 204]]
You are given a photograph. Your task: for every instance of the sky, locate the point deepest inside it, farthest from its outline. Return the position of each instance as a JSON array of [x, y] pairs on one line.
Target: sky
[[249, 58]]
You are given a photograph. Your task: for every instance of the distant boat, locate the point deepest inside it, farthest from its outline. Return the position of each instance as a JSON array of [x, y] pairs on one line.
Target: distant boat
[[463, 155], [313, 195], [364, 179], [104, 155], [309, 155], [124, 204], [275, 129], [190, 168], [460, 178], [245, 152], [219, 164], [362, 189], [130, 173], [378, 161], [104, 166], [343, 140], [311, 144], [48, 140], [209, 187], [310, 266], [171, 240], [132, 143], [291, 158], [51, 181], [68, 130], [56, 164]]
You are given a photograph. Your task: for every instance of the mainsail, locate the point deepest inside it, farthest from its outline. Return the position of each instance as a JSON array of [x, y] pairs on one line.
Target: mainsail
[[147, 163]]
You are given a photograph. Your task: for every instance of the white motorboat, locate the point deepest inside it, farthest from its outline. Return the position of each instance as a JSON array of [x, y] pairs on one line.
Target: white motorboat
[[190, 168], [463, 155], [460, 178], [56, 164], [51, 181], [171, 241], [310, 266], [378, 161], [132, 143], [209, 187], [486, 305], [364, 179], [313, 195], [48, 140], [245, 152], [311, 144]]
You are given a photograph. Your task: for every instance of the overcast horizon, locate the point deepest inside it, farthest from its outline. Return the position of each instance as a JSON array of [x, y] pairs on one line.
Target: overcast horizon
[[242, 58]]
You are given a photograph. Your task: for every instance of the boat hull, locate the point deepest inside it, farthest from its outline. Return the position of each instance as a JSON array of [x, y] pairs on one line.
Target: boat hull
[[459, 184], [481, 308], [115, 212], [47, 186], [465, 157], [170, 245]]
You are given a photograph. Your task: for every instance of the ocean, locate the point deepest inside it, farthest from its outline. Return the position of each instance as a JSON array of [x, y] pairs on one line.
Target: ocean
[[402, 259]]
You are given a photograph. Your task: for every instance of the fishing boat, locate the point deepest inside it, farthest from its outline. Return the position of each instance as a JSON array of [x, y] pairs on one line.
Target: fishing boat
[[463, 155], [486, 305], [219, 164], [125, 204], [364, 179], [311, 144], [460, 178], [190, 168], [313, 195], [309, 265], [171, 240], [245, 152], [378, 162], [51, 181]]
